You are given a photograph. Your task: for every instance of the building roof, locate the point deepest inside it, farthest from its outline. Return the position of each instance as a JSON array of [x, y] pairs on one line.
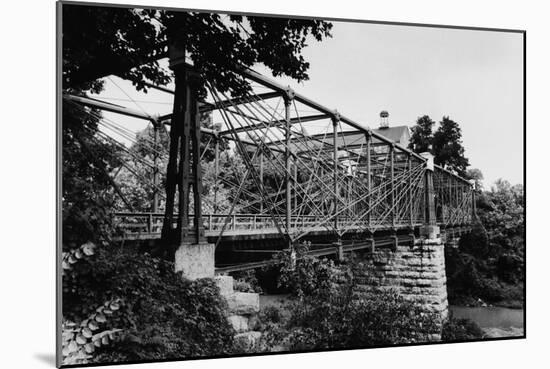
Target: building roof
[[394, 133]]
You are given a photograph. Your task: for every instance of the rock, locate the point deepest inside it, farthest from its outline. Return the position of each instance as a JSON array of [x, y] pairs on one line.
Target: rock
[[248, 340], [240, 323], [225, 284], [243, 303]]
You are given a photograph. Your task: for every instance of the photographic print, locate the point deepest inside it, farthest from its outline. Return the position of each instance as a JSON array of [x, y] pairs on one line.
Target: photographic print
[[239, 184]]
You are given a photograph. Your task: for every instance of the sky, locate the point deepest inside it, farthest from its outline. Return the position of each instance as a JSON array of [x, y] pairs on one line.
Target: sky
[[474, 77]]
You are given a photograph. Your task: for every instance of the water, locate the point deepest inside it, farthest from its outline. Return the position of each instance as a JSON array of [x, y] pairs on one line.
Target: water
[[495, 321]]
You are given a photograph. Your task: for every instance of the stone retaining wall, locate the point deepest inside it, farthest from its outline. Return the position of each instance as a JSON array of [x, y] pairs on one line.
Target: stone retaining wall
[[242, 314]]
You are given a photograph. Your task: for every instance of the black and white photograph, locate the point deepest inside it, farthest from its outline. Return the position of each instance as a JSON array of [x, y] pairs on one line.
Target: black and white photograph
[[238, 184]]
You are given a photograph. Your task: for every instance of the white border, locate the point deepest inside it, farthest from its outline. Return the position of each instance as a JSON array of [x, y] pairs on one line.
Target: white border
[[28, 182]]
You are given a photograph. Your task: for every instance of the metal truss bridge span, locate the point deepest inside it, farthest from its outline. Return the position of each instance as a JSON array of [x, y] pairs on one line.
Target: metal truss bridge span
[[277, 165]]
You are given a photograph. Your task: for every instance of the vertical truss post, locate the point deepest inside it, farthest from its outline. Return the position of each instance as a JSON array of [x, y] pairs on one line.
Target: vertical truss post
[[193, 256], [410, 195], [335, 120], [392, 190], [288, 97], [261, 155], [155, 206], [430, 228], [216, 166], [368, 138], [184, 168], [295, 183], [473, 190], [449, 199]]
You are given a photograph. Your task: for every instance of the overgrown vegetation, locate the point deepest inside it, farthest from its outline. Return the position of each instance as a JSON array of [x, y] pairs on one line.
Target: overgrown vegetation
[[160, 315], [455, 329], [327, 310], [488, 265]]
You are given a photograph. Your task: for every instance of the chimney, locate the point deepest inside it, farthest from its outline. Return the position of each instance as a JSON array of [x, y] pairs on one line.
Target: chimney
[[384, 119]]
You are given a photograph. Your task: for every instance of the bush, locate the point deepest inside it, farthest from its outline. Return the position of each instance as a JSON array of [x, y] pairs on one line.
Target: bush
[[162, 316], [246, 282], [461, 330], [509, 268], [302, 274], [328, 312], [346, 320]]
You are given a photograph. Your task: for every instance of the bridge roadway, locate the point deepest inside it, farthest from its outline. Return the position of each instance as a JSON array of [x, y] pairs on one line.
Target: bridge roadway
[[237, 227], [250, 227]]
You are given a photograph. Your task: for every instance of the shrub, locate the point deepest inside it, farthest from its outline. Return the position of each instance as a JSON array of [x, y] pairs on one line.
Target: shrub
[[328, 311], [161, 315], [246, 282], [302, 274], [461, 330], [346, 320]]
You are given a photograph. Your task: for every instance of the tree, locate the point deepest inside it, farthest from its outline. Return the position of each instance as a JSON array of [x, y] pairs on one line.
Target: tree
[[422, 134], [100, 41], [447, 146], [87, 187], [477, 176]]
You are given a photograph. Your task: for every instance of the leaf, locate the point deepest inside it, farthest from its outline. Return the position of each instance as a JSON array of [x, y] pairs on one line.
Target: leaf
[[107, 311], [114, 306], [72, 260], [86, 332], [89, 347], [80, 339], [105, 340], [88, 248], [93, 325], [78, 254], [72, 346], [100, 318]]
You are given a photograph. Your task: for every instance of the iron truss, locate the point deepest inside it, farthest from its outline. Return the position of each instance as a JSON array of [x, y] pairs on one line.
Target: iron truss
[[308, 170]]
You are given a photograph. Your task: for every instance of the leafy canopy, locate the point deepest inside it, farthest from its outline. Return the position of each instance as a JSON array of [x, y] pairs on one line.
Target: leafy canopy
[[127, 42], [445, 143]]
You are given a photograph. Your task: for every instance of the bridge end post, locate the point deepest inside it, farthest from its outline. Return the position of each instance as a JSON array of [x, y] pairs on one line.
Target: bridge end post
[[429, 229], [194, 256]]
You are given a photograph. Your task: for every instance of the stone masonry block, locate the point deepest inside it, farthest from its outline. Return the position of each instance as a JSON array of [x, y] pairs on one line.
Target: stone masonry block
[[225, 284], [239, 322], [195, 260], [243, 303]]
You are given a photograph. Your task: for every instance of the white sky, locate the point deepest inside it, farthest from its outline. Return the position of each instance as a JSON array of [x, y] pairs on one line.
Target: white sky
[[475, 77]]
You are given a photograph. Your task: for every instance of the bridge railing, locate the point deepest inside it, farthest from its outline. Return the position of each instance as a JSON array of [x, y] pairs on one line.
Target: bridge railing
[[132, 224]]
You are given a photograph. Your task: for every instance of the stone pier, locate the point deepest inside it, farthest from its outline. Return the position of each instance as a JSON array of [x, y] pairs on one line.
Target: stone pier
[[416, 272]]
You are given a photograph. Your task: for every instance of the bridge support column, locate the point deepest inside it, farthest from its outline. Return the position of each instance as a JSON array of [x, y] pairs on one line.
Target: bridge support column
[[193, 256], [195, 261], [416, 273]]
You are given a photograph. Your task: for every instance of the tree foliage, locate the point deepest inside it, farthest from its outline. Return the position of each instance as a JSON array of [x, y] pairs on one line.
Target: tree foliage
[[87, 188], [445, 143], [160, 314], [490, 261], [126, 42], [422, 134], [447, 146]]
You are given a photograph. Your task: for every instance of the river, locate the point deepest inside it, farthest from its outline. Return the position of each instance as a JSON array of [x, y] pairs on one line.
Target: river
[[495, 321]]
